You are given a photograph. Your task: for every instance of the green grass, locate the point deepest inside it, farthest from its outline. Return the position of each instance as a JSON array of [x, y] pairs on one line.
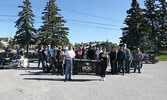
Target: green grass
[[162, 58]]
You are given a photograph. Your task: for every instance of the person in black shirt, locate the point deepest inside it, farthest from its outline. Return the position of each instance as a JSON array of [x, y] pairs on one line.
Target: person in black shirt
[[84, 55], [104, 62], [59, 60], [63, 51], [40, 55], [91, 53], [121, 59], [113, 60], [45, 55], [84, 48]]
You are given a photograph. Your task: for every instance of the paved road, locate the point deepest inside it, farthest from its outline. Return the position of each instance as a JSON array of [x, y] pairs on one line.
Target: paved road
[[33, 84]]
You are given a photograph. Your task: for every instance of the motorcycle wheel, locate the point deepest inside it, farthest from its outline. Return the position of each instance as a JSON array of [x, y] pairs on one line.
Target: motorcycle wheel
[[24, 65], [46, 68]]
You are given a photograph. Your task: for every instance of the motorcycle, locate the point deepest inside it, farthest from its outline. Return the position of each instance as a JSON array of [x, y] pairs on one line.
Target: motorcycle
[[24, 62], [8, 63], [47, 65], [146, 58], [32, 57]]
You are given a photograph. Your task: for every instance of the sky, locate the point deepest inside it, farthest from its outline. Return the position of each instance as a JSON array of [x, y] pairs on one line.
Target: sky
[[87, 20]]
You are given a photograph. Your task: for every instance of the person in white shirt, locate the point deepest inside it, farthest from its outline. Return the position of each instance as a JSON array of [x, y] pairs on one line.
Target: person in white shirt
[[69, 56], [98, 51]]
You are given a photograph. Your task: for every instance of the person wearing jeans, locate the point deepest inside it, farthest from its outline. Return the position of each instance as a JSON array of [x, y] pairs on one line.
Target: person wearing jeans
[[137, 58], [69, 56], [128, 61], [121, 59], [137, 63], [45, 56]]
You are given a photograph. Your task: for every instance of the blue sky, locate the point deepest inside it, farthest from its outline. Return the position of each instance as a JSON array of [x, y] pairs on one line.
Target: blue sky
[[88, 20]]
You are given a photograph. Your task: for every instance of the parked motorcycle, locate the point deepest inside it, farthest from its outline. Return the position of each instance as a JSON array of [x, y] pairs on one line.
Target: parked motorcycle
[[24, 62], [150, 58], [8, 63], [32, 57], [146, 58], [47, 66]]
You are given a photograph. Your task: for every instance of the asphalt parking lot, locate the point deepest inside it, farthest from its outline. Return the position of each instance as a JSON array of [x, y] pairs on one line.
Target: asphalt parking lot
[[32, 84]]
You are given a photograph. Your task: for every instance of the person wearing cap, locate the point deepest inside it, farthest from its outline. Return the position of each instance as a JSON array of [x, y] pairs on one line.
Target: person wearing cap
[[113, 60], [69, 56], [59, 60], [125, 48], [121, 59], [104, 62], [137, 59]]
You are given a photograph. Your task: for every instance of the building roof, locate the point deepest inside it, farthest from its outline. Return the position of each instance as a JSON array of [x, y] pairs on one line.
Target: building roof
[[4, 39]]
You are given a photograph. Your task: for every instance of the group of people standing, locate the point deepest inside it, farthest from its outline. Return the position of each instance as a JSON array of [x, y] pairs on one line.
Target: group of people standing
[[120, 60], [46, 53], [59, 56]]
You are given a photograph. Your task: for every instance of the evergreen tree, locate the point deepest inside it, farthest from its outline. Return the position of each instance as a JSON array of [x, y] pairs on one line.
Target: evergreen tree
[[53, 30], [162, 19], [135, 35], [26, 33], [152, 16]]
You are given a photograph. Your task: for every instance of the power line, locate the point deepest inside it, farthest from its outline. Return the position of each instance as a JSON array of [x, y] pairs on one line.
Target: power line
[[93, 23], [8, 16], [101, 17], [81, 13], [73, 24], [98, 27], [79, 21]]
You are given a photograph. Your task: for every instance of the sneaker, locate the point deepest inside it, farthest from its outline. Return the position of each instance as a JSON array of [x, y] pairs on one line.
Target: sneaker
[[102, 78], [65, 80]]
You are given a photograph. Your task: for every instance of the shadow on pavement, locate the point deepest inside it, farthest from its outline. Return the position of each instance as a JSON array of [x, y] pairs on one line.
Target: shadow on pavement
[[38, 73], [84, 80], [29, 68], [49, 79], [43, 79]]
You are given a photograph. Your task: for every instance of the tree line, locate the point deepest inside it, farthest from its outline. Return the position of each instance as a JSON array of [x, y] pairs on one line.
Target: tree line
[[104, 44], [53, 30], [146, 28]]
